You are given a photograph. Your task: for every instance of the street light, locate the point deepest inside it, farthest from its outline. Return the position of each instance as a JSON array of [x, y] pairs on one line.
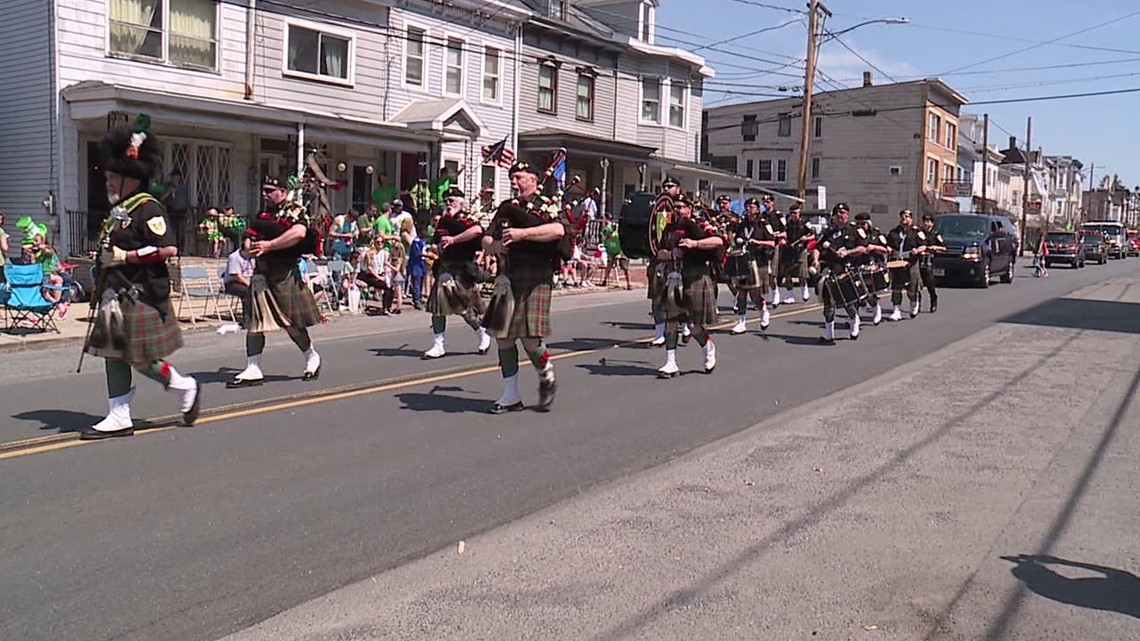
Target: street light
[[836, 34]]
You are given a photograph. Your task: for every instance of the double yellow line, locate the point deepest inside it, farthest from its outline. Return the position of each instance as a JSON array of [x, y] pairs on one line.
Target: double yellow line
[[41, 444]]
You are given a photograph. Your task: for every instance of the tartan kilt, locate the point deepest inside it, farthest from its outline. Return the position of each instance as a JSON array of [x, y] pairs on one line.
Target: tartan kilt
[[700, 296], [152, 332], [293, 298], [533, 287], [466, 282]]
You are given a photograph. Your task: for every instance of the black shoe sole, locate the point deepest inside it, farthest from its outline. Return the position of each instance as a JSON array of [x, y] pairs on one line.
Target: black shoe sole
[[504, 409], [240, 383], [663, 375], [95, 435]]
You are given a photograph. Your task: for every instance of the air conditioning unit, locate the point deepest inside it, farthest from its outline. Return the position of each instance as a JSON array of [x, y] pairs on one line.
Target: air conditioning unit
[[896, 170]]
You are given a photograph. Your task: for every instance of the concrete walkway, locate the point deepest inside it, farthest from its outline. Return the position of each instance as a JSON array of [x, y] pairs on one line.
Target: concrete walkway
[[985, 491]]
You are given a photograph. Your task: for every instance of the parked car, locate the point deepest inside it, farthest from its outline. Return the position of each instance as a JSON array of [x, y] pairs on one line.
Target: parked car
[[1096, 250], [1064, 247], [1133, 246], [978, 246]]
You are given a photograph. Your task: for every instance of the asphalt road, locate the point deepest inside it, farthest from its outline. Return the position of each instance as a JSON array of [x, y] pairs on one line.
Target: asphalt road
[[197, 533]]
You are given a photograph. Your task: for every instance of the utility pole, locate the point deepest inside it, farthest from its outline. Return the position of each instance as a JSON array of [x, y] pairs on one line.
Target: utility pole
[[814, 7], [1025, 192], [985, 161]]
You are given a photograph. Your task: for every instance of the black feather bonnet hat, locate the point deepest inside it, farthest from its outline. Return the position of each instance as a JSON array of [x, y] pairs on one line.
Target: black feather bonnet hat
[[131, 150]]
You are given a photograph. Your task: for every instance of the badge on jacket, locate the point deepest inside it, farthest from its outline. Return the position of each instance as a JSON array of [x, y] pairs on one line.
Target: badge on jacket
[[157, 225]]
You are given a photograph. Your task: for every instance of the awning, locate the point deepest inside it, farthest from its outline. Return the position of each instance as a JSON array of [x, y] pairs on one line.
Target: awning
[[95, 100], [551, 140], [451, 116], [706, 172]]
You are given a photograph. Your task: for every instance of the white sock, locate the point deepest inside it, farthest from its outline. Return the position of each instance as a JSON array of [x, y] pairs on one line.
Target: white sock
[[510, 391]]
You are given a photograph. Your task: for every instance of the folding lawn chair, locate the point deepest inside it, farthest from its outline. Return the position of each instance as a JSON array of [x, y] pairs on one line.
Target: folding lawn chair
[[24, 300]]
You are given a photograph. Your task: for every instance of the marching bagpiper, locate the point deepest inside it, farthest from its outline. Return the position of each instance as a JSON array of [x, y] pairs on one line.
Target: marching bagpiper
[[662, 212], [756, 239], [687, 245], [135, 326], [455, 272], [526, 234], [280, 235]]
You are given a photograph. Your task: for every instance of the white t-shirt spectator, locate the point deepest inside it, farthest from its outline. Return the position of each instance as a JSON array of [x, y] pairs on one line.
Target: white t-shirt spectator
[[238, 265], [587, 208]]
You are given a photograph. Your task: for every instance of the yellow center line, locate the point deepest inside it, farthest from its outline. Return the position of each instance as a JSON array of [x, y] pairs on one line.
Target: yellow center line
[[27, 447]]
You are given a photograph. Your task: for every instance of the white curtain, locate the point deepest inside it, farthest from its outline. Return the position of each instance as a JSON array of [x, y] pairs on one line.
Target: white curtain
[[193, 32], [130, 22], [334, 57]]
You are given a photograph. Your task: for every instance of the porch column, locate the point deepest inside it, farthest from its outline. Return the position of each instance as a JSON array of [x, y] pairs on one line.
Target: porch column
[[300, 148]]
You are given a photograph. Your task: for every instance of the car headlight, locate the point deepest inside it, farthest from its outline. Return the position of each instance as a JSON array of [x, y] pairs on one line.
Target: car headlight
[[972, 253]]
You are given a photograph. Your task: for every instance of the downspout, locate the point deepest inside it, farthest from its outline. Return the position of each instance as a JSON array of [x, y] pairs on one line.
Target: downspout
[[55, 179], [250, 34], [518, 84]]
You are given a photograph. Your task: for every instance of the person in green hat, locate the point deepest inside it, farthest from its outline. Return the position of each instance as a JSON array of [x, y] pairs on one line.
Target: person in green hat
[[614, 256]]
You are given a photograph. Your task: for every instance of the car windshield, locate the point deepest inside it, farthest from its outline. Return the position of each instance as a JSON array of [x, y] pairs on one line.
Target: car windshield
[[1092, 238], [1061, 238], [962, 226]]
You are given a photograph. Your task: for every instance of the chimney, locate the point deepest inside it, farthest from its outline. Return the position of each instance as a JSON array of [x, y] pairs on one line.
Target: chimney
[[867, 79], [1013, 142]]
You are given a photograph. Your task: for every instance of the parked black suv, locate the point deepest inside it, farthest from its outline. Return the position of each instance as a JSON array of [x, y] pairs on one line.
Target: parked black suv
[[977, 247]]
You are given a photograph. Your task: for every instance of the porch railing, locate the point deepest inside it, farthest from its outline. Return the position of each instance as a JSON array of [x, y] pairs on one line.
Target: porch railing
[[83, 233]]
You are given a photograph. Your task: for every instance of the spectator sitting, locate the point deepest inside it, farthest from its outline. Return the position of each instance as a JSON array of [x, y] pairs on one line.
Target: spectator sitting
[[372, 274], [36, 250], [613, 256], [239, 269]]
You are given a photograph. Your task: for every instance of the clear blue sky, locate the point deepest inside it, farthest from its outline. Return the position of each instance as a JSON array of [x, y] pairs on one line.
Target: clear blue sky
[[1100, 130]]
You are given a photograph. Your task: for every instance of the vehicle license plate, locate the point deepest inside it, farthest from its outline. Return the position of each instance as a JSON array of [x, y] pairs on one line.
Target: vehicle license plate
[[939, 272]]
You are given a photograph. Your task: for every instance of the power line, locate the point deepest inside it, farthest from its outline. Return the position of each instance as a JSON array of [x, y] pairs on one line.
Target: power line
[[1046, 83], [763, 5], [860, 56], [750, 34], [1070, 65], [1042, 44], [1003, 36]]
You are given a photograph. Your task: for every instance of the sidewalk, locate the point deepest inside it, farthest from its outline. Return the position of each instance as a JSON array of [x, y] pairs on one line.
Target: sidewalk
[[881, 512], [74, 326]]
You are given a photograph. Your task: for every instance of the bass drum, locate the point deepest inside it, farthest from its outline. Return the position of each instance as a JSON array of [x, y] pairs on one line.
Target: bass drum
[[634, 222]]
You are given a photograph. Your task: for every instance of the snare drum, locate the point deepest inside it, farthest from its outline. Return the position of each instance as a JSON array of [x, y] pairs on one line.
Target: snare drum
[[741, 270], [846, 289], [900, 276], [876, 278]]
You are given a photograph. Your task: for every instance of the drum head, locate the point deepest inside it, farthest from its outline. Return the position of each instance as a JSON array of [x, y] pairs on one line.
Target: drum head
[[897, 264]]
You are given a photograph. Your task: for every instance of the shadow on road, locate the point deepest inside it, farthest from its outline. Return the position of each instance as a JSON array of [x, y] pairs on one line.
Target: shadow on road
[[580, 344], [606, 367], [1113, 591], [435, 402], [398, 351], [62, 420], [226, 374], [1095, 315]]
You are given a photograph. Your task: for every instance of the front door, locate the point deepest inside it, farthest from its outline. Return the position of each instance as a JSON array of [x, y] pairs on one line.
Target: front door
[[97, 204], [361, 187]]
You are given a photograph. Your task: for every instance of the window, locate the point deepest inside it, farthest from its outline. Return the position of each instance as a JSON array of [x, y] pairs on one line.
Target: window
[[585, 103], [315, 53], [815, 168], [645, 31], [414, 57], [178, 32], [492, 74], [310, 52], [934, 125], [748, 128], [781, 171], [748, 167], [948, 173], [677, 94], [931, 173], [785, 126], [651, 100], [817, 126], [951, 135], [765, 170], [488, 178], [453, 63], [547, 88]]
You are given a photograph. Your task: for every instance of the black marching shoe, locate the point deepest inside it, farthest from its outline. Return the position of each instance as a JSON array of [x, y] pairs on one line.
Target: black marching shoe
[[499, 408], [933, 306], [92, 434], [190, 416]]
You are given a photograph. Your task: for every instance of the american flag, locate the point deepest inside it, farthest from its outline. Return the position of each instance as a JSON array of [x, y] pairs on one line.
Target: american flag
[[498, 154]]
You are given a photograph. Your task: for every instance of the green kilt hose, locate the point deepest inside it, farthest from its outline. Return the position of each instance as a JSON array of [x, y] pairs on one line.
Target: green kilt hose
[[468, 288], [151, 332], [293, 298], [700, 297], [532, 287]]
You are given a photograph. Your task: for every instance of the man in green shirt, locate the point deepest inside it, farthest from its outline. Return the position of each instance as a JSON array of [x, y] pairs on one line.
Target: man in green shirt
[[364, 226], [384, 193], [441, 185], [612, 244]]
